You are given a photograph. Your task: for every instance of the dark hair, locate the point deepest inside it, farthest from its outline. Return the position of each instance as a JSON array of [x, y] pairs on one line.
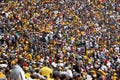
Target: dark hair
[[21, 61], [63, 76]]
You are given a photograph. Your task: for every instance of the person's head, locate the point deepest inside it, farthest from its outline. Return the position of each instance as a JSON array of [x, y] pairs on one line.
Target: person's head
[[46, 64], [63, 77], [56, 74], [21, 61]]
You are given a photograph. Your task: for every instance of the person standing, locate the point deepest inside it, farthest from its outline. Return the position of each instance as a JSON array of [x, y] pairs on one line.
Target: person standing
[[17, 72]]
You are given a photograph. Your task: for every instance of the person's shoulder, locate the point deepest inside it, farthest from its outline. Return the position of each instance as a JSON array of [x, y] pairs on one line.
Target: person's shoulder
[[16, 69], [13, 73]]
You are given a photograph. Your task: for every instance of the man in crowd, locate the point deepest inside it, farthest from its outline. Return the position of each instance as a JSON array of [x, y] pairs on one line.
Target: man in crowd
[[17, 72]]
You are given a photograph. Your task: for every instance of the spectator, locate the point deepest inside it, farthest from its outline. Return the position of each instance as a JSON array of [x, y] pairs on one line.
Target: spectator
[[17, 73], [81, 35]]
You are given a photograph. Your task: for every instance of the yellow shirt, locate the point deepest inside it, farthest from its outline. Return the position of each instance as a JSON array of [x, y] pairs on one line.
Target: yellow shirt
[[71, 38], [26, 47], [114, 78], [50, 79], [29, 57], [2, 75], [46, 71], [83, 33]]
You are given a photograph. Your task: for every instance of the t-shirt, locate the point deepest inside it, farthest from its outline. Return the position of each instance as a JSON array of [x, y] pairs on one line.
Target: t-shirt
[[17, 73], [46, 71], [2, 76]]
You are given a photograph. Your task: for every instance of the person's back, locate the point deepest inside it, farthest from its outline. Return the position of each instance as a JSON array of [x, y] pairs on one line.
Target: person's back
[[17, 72], [46, 71]]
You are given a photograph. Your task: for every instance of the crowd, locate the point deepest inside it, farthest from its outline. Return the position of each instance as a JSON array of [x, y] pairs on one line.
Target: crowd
[[60, 39]]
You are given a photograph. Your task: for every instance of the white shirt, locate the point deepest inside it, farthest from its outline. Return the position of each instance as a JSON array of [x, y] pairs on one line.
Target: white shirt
[[3, 65], [89, 77], [17, 73], [54, 64], [117, 49], [104, 68], [69, 73], [108, 63]]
